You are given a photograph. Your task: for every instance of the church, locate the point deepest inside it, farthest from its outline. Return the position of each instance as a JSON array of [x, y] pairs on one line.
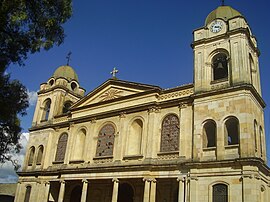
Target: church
[[132, 142]]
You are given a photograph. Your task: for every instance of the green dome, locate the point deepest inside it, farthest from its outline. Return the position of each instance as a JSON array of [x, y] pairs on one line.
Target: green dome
[[223, 12], [65, 72]]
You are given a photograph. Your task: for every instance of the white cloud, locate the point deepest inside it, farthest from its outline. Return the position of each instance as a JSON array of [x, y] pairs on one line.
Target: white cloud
[[32, 97], [7, 173]]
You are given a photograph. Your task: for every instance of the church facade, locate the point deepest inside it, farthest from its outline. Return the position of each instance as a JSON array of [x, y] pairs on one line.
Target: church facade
[[133, 142]]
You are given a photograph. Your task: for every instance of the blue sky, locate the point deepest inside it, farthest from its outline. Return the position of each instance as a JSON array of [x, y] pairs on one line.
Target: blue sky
[[147, 40]]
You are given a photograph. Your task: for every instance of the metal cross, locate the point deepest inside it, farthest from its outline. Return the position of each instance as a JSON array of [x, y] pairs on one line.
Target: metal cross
[[113, 73], [223, 2], [68, 57]]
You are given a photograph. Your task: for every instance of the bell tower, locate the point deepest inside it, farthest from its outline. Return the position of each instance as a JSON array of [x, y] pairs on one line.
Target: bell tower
[[57, 95], [225, 52], [228, 107]]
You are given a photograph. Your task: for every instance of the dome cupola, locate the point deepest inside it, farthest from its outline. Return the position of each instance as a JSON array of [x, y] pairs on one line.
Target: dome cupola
[[222, 12], [66, 72]]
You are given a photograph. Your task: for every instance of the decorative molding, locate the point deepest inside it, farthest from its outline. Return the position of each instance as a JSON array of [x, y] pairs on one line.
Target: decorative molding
[[122, 115], [110, 95], [176, 94], [93, 120], [154, 109]]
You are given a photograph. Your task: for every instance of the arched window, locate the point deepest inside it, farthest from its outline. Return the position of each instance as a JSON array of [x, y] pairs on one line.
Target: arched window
[[66, 106], [40, 154], [209, 134], [220, 66], [47, 108], [220, 193], [61, 148], [79, 145], [135, 138], [27, 194], [51, 82], [170, 134], [232, 131], [105, 141], [255, 135], [31, 156], [73, 86]]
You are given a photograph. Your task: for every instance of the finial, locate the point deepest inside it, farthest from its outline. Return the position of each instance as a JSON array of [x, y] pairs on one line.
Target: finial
[[222, 2], [113, 73], [68, 57]]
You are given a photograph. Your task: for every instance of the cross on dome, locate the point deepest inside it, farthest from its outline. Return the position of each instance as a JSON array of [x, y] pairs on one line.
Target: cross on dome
[[68, 57]]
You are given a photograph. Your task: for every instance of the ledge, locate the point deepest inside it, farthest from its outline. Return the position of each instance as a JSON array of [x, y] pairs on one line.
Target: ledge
[[233, 146], [102, 157], [209, 148], [57, 162], [133, 157], [76, 161], [168, 153]]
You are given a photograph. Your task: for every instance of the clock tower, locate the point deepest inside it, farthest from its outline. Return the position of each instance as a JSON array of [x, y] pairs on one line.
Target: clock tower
[[227, 90], [225, 52]]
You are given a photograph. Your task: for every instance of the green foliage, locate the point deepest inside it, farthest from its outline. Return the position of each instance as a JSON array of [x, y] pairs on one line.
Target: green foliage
[[29, 26], [13, 101], [26, 27]]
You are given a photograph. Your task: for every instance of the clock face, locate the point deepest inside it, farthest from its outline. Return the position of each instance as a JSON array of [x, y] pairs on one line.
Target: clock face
[[216, 26]]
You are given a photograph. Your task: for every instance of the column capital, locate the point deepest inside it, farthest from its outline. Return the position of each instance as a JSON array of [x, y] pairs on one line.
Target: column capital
[[62, 181], [149, 179], [84, 181], [46, 183], [115, 180], [181, 178]]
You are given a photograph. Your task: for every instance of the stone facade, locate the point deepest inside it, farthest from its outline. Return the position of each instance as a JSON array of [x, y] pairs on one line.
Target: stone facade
[[132, 142]]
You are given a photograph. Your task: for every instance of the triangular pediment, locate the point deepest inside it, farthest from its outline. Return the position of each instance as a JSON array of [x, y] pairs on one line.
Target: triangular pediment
[[113, 89]]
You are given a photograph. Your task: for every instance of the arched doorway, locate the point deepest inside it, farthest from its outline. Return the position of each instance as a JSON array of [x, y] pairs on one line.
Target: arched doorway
[[125, 193], [76, 194]]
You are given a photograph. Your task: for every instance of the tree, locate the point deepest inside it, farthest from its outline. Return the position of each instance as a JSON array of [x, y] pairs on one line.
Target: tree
[[26, 27], [13, 101]]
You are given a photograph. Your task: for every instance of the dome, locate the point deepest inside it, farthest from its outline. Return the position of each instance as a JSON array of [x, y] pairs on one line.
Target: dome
[[66, 72], [223, 12]]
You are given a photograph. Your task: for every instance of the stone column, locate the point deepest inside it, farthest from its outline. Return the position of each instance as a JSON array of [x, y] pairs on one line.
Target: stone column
[[115, 189], [18, 191], [46, 191], [192, 188], [146, 194], [153, 190], [84, 190], [181, 189], [61, 191]]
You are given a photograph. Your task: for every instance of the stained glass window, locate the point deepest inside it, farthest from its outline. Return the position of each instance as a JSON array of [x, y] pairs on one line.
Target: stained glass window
[[61, 148], [170, 134], [105, 141], [220, 193]]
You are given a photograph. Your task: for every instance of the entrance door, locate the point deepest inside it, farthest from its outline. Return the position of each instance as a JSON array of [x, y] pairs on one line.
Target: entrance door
[[76, 194], [125, 193]]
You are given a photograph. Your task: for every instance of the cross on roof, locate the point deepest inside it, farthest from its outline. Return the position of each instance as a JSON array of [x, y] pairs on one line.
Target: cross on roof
[[113, 73], [68, 57]]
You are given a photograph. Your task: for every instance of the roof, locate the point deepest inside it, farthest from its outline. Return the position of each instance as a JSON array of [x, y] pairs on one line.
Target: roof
[[222, 12], [66, 72]]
